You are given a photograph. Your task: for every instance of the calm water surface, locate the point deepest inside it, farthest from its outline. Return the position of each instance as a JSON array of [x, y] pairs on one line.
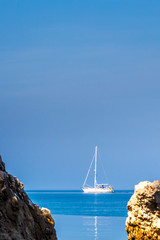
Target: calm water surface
[[83, 216]]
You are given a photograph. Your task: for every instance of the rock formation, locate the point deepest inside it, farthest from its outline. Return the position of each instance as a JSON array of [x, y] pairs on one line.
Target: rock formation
[[20, 219], [143, 220]]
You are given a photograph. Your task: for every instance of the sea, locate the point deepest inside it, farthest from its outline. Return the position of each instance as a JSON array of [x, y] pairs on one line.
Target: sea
[[81, 216]]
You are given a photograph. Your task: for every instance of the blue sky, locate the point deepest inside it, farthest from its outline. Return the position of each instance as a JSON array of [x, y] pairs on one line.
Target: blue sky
[[75, 74]]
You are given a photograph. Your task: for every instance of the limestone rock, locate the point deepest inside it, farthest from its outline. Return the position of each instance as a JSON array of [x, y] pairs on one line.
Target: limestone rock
[[20, 219], [143, 220]]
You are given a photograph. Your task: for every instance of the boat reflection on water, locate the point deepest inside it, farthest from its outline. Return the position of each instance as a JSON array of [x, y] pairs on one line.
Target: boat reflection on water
[[91, 226], [95, 228]]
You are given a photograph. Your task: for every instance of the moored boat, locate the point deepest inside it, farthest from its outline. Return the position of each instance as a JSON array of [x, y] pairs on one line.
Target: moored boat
[[97, 188]]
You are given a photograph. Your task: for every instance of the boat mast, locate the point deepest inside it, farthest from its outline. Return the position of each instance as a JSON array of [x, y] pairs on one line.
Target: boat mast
[[95, 170]]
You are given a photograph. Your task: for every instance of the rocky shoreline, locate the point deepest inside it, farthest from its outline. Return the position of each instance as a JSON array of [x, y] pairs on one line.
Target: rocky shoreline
[[20, 218], [143, 220]]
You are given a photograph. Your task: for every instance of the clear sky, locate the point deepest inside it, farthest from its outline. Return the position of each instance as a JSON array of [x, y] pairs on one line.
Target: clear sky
[[75, 74]]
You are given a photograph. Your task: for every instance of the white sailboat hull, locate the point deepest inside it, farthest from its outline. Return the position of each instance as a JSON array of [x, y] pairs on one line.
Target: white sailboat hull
[[98, 190]]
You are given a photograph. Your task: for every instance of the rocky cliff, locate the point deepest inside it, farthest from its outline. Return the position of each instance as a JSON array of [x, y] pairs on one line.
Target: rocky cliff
[[143, 220], [20, 219]]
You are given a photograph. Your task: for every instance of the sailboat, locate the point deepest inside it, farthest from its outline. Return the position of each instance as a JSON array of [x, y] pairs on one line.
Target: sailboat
[[97, 188]]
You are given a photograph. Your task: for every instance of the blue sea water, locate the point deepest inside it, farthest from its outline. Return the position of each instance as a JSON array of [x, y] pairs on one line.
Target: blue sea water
[[83, 216]]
